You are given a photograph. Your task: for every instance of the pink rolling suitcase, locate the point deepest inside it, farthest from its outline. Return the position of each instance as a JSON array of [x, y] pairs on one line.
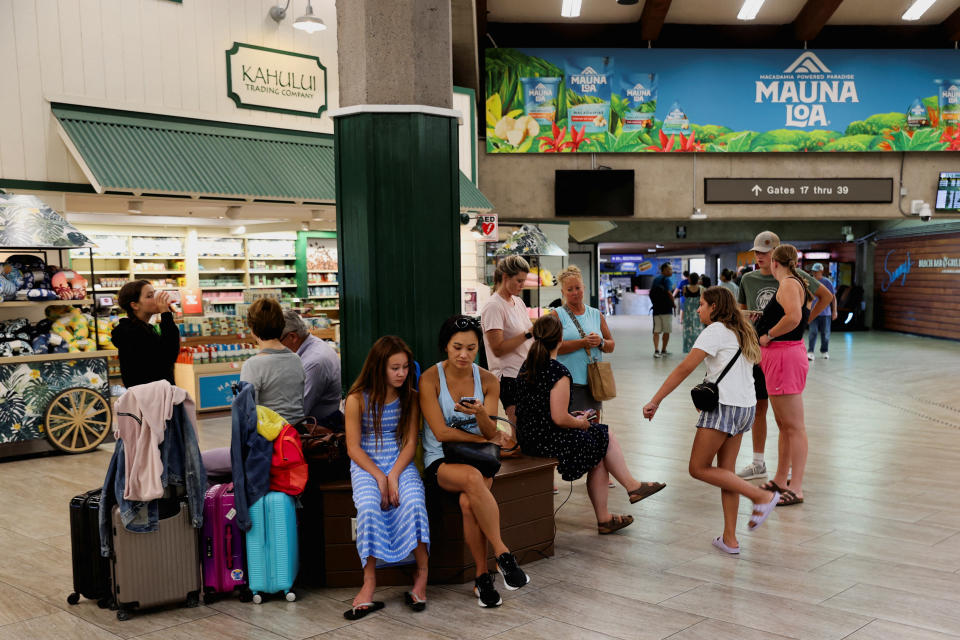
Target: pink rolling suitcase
[[221, 544]]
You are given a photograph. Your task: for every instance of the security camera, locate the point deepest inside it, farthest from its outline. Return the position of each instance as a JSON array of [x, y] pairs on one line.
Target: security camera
[[925, 212]]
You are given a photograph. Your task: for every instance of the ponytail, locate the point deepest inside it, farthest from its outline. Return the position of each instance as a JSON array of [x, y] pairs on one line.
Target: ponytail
[[786, 255], [547, 334], [509, 267]]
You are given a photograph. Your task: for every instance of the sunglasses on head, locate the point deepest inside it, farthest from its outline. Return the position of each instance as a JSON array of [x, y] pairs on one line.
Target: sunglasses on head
[[464, 323]]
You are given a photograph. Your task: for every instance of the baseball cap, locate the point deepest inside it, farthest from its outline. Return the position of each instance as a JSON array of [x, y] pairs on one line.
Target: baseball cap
[[766, 241], [816, 267]]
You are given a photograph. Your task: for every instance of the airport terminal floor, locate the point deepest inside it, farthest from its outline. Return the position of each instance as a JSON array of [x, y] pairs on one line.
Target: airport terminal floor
[[874, 552]]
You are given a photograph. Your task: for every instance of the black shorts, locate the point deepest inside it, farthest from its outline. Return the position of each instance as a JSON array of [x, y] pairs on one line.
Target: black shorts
[[759, 383], [430, 474], [508, 392]]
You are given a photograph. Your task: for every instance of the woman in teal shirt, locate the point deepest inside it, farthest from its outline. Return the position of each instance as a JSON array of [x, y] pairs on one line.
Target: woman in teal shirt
[[595, 336]]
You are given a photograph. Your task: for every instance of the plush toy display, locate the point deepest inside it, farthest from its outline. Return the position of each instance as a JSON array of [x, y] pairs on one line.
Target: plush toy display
[[34, 280], [64, 330], [69, 285], [105, 326], [10, 281]]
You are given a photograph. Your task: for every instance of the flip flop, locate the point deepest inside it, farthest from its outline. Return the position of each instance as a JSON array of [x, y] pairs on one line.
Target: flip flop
[[789, 498], [764, 510], [645, 490], [615, 523], [362, 610], [414, 602], [720, 544]]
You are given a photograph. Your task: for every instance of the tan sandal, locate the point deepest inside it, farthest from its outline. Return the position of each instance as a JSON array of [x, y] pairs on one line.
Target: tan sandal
[[645, 490], [617, 522]]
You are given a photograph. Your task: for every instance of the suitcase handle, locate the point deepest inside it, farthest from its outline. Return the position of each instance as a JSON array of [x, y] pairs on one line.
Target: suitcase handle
[[229, 548]]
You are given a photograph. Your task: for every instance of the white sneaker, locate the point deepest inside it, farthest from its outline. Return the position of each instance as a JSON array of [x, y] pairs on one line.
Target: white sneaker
[[657, 354], [753, 471], [826, 356], [810, 356]]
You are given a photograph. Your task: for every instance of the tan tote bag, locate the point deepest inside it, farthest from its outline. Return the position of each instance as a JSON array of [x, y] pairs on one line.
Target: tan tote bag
[[599, 374]]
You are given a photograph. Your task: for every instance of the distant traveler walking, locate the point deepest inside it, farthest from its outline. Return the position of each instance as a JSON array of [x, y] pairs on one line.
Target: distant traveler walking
[[691, 320], [820, 325], [662, 302]]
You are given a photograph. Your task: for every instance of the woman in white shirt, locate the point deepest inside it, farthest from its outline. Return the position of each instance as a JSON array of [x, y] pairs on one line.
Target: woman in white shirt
[[719, 431], [507, 329]]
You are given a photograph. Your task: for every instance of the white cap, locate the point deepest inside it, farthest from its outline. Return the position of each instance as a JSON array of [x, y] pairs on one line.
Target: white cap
[[766, 241]]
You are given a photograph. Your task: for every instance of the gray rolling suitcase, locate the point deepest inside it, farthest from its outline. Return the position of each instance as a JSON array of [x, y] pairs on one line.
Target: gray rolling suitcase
[[157, 568]]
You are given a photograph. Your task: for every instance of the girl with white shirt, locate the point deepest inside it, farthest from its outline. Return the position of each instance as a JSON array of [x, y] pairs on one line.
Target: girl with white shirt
[[719, 431]]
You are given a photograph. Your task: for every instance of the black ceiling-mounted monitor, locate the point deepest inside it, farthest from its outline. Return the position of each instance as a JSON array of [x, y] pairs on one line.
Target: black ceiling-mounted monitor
[[948, 191], [601, 193]]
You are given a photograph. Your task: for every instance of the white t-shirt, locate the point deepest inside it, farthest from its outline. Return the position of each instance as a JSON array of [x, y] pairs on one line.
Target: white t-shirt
[[512, 319], [720, 344]]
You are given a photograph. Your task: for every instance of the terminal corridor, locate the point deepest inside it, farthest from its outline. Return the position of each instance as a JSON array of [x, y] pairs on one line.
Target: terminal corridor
[[873, 553]]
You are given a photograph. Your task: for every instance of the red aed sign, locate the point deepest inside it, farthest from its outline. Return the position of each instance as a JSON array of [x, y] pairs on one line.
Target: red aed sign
[[191, 301]]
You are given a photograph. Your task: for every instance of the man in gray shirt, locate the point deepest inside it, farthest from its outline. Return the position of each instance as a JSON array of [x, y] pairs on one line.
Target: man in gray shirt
[[321, 364]]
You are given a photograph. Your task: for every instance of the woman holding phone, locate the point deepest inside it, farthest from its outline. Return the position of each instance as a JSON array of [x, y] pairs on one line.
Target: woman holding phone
[[458, 400], [147, 351]]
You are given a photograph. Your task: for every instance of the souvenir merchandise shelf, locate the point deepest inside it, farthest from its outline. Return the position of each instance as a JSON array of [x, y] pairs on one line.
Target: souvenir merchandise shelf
[[54, 401], [318, 266], [211, 385]]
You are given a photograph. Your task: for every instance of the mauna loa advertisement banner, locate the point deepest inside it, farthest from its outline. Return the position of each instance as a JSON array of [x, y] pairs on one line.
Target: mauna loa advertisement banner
[[670, 100]]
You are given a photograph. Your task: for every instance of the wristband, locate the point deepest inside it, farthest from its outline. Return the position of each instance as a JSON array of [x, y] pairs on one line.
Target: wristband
[[528, 335]]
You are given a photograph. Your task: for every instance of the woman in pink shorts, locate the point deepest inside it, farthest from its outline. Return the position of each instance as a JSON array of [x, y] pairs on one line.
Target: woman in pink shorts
[[784, 363]]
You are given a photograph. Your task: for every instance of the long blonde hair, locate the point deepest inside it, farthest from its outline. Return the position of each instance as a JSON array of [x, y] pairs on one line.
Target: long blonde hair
[[509, 267], [786, 255], [726, 311]]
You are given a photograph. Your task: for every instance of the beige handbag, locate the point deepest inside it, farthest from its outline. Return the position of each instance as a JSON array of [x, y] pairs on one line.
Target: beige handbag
[[599, 374]]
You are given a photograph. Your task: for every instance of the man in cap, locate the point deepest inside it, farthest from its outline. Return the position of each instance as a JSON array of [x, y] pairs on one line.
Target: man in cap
[[757, 288], [821, 323]]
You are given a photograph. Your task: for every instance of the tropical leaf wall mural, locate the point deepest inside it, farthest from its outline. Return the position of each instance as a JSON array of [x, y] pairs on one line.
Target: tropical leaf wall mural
[[25, 221]]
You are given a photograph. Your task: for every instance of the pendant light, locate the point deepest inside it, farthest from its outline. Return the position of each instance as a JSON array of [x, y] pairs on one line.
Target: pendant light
[[309, 22]]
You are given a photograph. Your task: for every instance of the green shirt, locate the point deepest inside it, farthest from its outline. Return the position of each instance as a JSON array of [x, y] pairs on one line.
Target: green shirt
[[756, 289]]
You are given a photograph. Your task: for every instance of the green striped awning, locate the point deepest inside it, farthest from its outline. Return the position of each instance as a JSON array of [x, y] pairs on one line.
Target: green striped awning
[[123, 151], [146, 153]]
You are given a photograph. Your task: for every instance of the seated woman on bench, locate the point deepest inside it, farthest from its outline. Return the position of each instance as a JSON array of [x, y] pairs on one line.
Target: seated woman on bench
[[382, 421], [546, 428], [458, 392]]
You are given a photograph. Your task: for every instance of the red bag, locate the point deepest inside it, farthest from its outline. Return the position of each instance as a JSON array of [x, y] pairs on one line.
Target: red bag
[[288, 469]]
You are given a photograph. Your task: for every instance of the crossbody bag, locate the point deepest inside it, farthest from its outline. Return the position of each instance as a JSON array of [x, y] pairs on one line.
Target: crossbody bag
[[706, 395]]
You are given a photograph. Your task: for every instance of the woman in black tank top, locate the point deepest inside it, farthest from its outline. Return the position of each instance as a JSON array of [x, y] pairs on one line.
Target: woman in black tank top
[[785, 366]]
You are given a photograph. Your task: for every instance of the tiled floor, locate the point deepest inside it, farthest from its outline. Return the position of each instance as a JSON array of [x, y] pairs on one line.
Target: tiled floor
[[873, 554]]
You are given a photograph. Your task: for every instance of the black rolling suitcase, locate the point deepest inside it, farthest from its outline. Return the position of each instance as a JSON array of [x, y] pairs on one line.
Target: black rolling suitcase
[[91, 571]]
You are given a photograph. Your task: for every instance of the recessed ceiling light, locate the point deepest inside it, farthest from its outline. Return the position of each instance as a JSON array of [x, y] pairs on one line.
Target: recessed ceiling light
[[135, 206], [316, 215], [238, 230], [570, 8], [750, 9], [660, 246], [651, 250], [917, 9]]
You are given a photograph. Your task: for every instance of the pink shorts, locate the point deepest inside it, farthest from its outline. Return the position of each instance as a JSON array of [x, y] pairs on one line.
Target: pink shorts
[[785, 367]]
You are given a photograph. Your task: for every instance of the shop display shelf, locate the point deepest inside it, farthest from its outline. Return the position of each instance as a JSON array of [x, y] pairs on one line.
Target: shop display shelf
[[322, 284], [33, 303], [161, 271], [96, 257], [285, 258], [239, 286], [221, 258], [322, 297], [212, 272], [159, 257], [273, 270], [73, 355], [96, 288], [323, 271], [273, 286], [105, 272]]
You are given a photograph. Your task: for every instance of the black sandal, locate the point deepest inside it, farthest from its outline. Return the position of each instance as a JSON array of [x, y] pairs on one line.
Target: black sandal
[[789, 498], [415, 603], [770, 485], [362, 610]]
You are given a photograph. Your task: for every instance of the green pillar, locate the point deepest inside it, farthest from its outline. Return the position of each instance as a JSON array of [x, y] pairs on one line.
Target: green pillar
[[398, 231]]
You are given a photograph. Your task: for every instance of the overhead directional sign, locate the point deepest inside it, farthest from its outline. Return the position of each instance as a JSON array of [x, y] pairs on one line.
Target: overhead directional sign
[[797, 190]]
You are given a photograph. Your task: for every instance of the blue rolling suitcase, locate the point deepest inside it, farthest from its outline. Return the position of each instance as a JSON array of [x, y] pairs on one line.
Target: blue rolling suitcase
[[272, 551]]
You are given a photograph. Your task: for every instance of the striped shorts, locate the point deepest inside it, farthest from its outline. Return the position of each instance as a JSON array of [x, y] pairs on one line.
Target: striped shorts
[[728, 419]]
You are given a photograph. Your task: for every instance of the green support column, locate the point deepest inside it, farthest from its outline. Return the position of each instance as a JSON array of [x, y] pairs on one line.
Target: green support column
[[398, 229]]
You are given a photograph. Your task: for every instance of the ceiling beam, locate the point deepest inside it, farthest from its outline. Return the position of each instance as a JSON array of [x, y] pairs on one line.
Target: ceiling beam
[[652, 18], [813, 17], [951, 26]]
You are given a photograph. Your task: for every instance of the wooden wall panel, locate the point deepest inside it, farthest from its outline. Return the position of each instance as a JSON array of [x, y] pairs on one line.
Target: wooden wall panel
[[139, 55], [924, 300]]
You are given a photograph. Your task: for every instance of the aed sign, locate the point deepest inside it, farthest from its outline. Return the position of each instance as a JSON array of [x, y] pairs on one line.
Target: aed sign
[[487, 222], [274, 80], [797, 190]]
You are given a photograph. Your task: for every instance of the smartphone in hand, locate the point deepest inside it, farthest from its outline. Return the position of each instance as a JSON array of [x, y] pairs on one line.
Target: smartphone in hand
[[468, 400]]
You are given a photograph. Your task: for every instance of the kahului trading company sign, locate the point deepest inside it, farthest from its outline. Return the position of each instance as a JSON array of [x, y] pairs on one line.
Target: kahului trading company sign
[[668, 100], [274, 80]]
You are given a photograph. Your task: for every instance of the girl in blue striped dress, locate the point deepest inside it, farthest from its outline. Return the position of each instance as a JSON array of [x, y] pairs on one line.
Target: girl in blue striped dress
[[382, 424]]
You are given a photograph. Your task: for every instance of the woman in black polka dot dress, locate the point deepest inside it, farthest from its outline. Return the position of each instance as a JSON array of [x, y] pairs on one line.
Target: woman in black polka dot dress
[[546, 428]]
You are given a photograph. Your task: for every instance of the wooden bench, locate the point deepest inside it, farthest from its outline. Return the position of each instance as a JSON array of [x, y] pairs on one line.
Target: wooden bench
[[523, 489]]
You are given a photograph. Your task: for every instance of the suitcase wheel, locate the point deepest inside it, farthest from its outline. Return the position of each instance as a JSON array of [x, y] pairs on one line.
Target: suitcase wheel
[[290, 596], [73, 598], [208, 598], [193, 599], [123, 615], [257, 598], [246, 595], [105, 603]]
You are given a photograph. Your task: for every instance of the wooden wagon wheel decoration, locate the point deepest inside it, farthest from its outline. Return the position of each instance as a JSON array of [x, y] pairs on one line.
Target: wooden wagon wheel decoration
[[77, 420]]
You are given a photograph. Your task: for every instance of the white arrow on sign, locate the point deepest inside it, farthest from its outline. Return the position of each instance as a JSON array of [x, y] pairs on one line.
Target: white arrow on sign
[[756, 190]]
